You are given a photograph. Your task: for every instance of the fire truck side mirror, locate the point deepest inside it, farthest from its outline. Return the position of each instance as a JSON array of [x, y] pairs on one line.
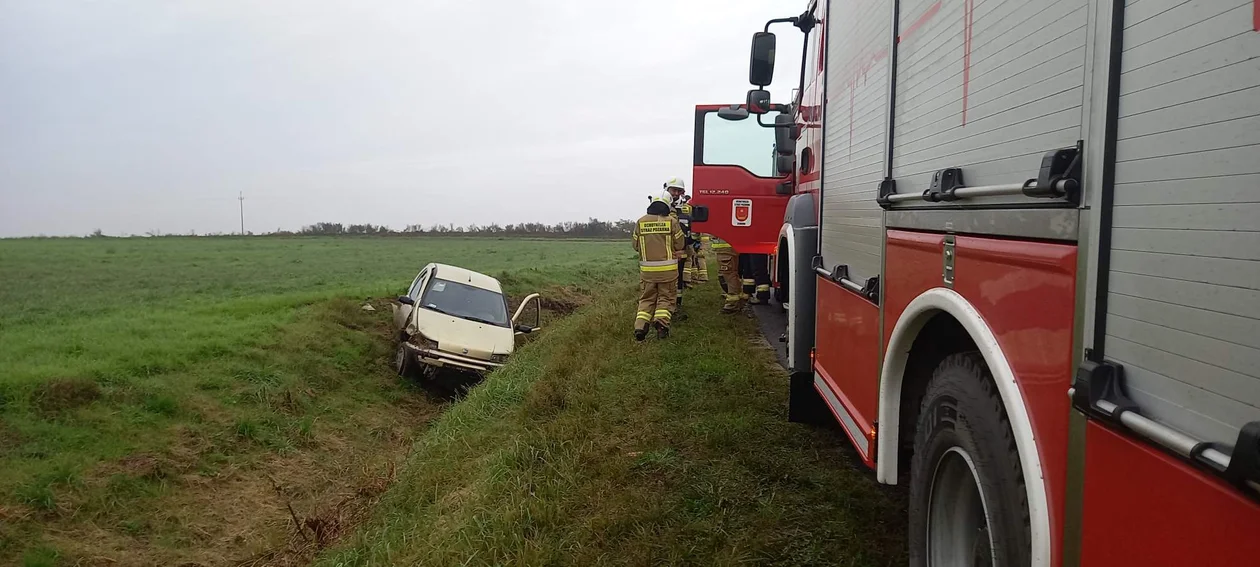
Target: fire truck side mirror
[[699, 213], [785, 131], [733, 112], [758, 101], [761, 63]]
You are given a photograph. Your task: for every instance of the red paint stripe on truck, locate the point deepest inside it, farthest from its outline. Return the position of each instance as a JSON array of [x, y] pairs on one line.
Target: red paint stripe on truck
[[923, 19]]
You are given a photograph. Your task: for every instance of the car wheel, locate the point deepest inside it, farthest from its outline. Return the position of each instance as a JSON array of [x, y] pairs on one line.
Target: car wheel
[[968, 500], [404, 361]]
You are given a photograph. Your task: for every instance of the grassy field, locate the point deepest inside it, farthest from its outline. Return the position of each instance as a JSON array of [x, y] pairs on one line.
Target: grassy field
[[184, 401], [187, 400], [590, 449]]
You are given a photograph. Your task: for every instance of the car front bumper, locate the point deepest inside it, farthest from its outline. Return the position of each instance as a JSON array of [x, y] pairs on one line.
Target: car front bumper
[[442, 359]]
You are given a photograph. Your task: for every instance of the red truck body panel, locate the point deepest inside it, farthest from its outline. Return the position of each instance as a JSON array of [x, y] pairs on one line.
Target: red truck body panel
[[1025, 292], [847, 360], [1144, 507]]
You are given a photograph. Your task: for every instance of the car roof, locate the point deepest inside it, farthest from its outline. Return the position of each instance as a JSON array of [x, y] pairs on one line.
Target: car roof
[[466, 276]]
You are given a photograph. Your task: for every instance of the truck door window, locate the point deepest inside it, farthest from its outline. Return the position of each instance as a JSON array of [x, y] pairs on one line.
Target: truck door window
[[740, 142]]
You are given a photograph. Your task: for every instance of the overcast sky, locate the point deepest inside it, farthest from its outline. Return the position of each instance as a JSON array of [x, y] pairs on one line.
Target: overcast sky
[[136, 116]]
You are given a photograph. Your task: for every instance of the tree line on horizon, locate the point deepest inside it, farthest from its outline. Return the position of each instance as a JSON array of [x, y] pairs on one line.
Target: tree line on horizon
[[591, 228]]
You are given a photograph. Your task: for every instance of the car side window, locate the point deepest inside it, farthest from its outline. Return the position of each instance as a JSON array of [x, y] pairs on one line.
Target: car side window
[[417, 285]]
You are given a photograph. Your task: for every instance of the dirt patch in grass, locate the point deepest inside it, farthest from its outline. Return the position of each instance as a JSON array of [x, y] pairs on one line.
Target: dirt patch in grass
[[64, 394], [556, 301], [145, 466], [319, 520], [565, 300], [191, 506], [9, 438]]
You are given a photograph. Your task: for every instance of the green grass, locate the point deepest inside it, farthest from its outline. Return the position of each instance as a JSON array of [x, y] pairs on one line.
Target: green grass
[[183, 400], [167, 400], [589, 449], [119, 308]]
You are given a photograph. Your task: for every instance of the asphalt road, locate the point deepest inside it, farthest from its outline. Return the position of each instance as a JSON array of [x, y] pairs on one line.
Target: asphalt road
[[772, 320]]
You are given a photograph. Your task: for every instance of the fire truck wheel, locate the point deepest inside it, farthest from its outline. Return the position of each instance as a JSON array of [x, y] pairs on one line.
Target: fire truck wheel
[[968, 503]]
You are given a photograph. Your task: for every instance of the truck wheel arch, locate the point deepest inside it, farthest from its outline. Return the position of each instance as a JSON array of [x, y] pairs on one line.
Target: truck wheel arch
[[908, 327]]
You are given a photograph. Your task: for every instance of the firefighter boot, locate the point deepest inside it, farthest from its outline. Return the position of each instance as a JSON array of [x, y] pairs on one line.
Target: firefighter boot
[[640, 334], [662, 330]]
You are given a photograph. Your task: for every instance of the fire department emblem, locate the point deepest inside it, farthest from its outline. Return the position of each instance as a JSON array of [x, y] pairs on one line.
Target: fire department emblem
[[741, 212]]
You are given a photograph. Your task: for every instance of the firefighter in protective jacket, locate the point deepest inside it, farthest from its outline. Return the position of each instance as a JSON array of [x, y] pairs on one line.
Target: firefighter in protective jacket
[[658, 238], [676, 194], [728, 272], [700, 265], [689, 250]]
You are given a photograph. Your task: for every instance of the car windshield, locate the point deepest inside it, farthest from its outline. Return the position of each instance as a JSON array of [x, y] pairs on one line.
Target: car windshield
[[466, 302]]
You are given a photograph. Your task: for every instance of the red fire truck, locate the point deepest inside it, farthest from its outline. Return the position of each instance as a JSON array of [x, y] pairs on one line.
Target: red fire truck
[[1019, 244]]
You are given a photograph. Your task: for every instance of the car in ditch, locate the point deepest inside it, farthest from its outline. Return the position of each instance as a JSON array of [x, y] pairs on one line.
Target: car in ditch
[[454, 318]]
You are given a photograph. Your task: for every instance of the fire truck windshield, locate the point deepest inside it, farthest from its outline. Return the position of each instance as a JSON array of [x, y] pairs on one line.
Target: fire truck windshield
[[741, 142]]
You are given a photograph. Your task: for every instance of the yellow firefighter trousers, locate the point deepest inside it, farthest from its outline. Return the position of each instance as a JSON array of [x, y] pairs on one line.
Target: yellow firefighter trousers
[[688, 262], [702, 267], [728, 270], [657, 302]]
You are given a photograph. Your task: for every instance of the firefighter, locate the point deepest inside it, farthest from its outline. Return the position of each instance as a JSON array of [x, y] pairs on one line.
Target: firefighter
[[658, 238], [701, 265], [689, 278], [748, 284], [728, 274], [675, 193]]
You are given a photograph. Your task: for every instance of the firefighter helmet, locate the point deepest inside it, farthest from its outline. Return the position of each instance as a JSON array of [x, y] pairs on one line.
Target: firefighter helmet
[[675, 183]]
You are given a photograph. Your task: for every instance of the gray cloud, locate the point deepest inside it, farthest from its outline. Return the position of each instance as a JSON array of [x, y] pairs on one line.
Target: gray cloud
[[132, 116]]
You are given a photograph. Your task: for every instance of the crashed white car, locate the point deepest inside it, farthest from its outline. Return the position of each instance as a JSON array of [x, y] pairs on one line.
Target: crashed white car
[[457, 318]]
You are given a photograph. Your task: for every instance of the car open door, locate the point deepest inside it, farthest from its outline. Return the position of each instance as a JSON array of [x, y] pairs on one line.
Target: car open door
[[528, 316], [735, 175]]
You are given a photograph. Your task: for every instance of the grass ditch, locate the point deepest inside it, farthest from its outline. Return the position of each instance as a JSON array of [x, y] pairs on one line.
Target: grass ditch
[[219, 402], [589, 449], [214, 464]]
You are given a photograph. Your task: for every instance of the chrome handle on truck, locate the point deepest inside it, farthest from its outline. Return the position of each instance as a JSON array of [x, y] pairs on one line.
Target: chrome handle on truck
[[1098, 392], [1059, 178], [840, 275]]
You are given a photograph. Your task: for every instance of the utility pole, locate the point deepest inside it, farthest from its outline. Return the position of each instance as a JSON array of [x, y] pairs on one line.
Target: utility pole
[[241, 198]]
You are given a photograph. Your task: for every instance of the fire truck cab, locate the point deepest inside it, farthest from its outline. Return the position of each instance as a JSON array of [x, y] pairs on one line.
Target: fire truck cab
[[1020, 250]]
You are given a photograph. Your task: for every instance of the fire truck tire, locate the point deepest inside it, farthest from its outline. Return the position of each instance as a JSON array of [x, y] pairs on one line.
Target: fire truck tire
[[968, 500]]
